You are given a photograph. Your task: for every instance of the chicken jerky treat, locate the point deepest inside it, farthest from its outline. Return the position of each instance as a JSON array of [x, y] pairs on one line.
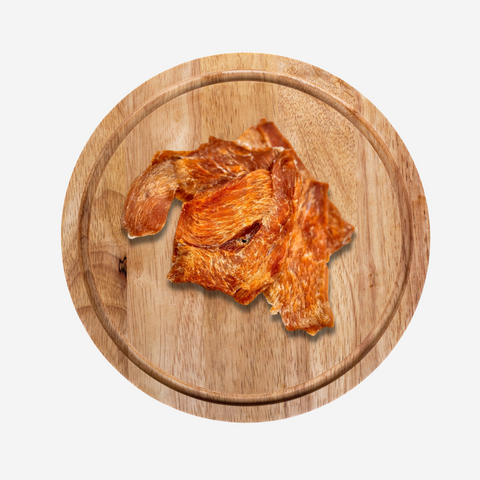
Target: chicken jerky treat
[[235, 238], [300, 292], [315, 229], [266, 134]]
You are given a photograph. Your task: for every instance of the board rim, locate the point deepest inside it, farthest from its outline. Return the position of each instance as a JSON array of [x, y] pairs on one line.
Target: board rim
[[212, 78]]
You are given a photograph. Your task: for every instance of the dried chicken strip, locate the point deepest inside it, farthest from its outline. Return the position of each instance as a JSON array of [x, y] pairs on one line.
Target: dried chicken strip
[[235, 238], [300, 293], [266, 134], [184, 174]]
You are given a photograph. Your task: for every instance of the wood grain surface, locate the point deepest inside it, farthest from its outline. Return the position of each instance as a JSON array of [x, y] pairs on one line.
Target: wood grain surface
[[199, 351]]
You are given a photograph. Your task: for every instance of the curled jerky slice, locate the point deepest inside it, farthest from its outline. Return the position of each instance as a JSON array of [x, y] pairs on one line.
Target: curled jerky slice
[[235, 238], [266, 134], [300, 293]]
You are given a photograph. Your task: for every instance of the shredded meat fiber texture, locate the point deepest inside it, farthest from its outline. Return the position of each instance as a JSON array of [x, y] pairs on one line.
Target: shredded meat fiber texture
[[254, 221]]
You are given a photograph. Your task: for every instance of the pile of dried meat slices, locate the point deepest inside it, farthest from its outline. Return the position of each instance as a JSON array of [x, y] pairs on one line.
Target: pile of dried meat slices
[[254, 221]]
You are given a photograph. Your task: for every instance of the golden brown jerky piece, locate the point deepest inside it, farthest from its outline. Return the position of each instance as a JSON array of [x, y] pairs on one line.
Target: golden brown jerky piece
[[184, 174], [300, 293], [266, 134], [149, 199], [235, 238]]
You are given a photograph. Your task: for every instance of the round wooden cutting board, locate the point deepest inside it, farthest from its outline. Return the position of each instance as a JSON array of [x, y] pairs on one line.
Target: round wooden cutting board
[[199, 351]]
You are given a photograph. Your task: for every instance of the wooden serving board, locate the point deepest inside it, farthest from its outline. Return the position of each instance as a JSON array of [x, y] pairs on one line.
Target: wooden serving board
[[198, 350]]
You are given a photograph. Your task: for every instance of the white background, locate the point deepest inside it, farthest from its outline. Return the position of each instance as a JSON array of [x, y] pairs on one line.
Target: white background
[[66, 413]]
